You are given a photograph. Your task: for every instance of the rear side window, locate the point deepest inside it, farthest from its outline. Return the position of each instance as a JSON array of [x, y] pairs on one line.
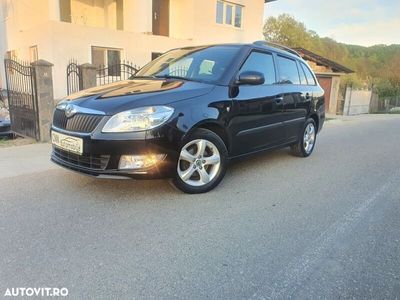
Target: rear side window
[[288, 73], [263, 63], [303, 79], [309, 75]]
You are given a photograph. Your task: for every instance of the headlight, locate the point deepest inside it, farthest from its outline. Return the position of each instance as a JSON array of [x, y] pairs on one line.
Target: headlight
[[139, 119], [62, 104]]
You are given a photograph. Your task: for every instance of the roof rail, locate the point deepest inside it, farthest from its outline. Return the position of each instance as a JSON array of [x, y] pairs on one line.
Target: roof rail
[[265, 43]]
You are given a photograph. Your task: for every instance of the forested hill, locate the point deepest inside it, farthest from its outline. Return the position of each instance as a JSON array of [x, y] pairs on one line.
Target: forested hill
[[378, 65]]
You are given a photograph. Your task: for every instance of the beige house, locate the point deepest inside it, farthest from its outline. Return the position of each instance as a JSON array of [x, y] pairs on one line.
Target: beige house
[[105, 31]]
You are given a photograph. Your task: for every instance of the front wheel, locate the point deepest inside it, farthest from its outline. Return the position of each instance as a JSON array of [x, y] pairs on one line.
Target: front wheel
[[202, 162], [308, 137]]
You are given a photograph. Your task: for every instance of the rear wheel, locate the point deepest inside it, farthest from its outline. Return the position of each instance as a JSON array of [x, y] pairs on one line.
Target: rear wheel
[[308, 137], [202, 162]]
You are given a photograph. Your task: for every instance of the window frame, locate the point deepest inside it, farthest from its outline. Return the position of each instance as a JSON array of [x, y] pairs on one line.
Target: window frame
[[105, 56], [301, 71], [33, 53], [304, 65], [233, 16], [279, 68], [223, 13], [236, 77]]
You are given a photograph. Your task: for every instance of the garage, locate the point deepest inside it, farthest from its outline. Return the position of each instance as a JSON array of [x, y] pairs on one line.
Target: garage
[[328, 74]]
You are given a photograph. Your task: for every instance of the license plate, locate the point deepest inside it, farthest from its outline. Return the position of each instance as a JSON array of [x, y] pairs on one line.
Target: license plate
[[67, 142]]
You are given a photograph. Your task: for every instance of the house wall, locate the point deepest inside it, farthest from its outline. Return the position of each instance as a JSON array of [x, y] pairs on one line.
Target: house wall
[[319, 69], [182, 18], [138, 16], [95, 13], [206, 30], [333, 107], [136, 47], [192, 22], [3, 42], [19, 18]]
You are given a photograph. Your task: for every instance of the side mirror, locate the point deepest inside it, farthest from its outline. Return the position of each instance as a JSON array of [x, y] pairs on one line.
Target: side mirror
[[251, 78]]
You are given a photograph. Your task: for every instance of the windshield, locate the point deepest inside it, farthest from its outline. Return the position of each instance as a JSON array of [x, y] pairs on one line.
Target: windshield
[[206, 64]]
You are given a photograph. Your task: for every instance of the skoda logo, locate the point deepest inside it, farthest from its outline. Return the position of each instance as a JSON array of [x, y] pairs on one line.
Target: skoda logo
[[70, 110]]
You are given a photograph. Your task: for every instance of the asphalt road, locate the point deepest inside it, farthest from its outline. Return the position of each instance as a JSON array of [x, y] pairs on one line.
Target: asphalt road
[[277, 227]]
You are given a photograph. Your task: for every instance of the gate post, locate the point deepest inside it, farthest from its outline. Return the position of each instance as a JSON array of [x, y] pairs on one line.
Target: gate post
[[87, 77], [45, 98]]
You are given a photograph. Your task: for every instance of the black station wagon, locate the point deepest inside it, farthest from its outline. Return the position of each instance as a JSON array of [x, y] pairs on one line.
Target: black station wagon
[[188, 113]]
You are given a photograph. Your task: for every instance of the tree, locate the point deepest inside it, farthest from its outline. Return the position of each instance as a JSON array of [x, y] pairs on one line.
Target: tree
[[287, 31], [378, 65]]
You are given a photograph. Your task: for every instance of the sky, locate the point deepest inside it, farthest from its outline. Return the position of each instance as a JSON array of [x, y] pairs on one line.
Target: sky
[[358, 22]]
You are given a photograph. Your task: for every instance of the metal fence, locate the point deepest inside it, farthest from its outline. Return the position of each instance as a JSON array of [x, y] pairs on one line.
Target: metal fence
[[115, 72], [22, 98], [385, 104], [73, 77], [2, 99]]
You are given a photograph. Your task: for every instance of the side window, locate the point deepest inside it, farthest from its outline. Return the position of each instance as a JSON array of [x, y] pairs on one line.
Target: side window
[[288, 71], [309, 75], [263, 63], [303, 79]]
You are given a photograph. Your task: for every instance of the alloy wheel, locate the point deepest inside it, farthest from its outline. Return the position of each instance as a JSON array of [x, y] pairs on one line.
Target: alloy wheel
[[309, 138], [199, 162]]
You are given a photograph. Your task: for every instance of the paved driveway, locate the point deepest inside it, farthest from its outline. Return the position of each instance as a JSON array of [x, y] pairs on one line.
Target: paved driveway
[[277, 227]]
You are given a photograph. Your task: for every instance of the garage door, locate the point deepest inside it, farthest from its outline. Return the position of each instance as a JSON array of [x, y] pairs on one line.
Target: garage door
[[326, 84]]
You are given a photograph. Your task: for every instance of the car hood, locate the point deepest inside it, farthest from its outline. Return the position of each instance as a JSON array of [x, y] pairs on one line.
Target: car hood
[[129, 94]]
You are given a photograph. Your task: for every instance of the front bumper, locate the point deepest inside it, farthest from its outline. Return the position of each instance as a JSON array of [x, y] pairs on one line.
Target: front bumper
[[102, 153], [5, 129]]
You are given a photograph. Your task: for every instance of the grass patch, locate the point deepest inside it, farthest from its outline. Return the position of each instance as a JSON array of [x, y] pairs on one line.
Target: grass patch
[[386, 113], [19, 141]]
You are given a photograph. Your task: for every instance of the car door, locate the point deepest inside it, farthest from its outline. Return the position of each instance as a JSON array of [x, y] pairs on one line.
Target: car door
[[313, 91], [257, 110], [294, 93]]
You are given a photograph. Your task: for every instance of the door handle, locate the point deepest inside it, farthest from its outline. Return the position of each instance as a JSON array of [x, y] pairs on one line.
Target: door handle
[[279, 99]]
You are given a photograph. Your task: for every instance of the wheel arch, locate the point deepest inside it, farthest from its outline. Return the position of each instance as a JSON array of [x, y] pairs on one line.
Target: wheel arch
[[316, 120], [216, 127]]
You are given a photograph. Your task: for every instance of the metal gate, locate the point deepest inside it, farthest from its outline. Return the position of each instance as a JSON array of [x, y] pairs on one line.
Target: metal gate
[[22, 98], [73, 77], [115, 72]]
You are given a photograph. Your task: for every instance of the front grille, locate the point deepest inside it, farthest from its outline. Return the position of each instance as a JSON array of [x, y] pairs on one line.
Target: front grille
[[4, 128], [94, 162], [78, 123]]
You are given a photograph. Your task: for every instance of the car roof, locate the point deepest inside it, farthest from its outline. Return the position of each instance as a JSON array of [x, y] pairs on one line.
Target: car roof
[[260, 45]]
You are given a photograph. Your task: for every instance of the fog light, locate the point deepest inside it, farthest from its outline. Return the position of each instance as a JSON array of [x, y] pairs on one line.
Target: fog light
[[134, 162]]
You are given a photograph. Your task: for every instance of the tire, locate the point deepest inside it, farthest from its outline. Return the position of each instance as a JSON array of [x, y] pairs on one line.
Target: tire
[[304, 148], [202, 162]]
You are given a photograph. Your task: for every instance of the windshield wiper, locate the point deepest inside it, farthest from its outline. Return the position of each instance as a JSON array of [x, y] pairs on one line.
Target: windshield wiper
[[141, 77], [166, 76]]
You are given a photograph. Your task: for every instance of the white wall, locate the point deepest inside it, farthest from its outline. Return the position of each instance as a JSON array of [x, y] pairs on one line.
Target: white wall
[[182, 18], [192, 22], [207, 31], [2, 45], [137, 47], [138, 16], [96, 13], [357, 101]]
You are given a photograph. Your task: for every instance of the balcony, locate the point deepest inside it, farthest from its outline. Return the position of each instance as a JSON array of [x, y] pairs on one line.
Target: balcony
[[93, 13]]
